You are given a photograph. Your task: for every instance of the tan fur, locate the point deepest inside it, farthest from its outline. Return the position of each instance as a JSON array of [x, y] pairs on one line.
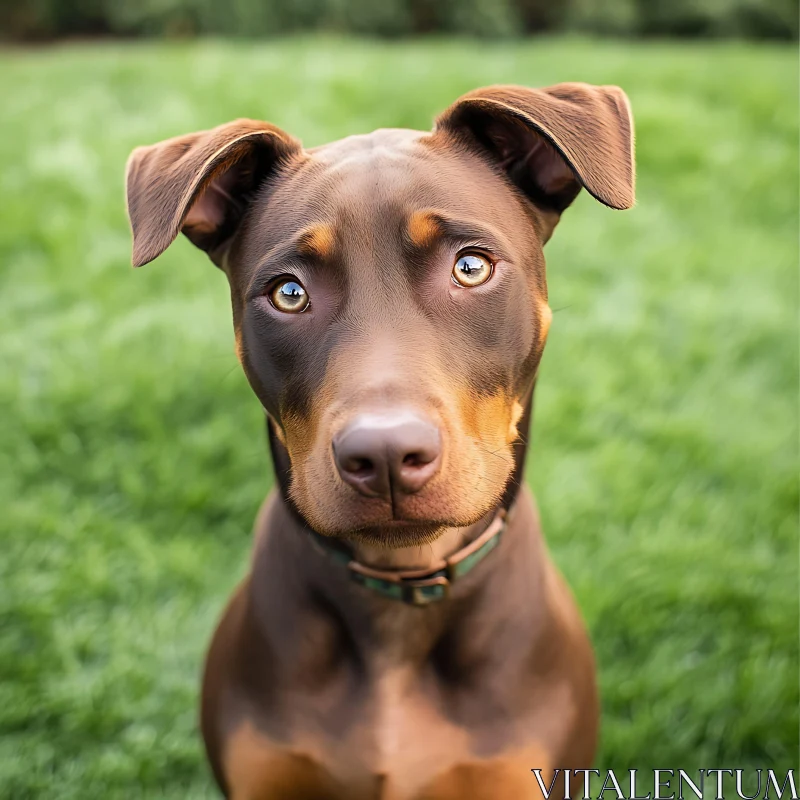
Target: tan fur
[[517, 410], [423, 228], [544, 323], [259, 770], [318, 241], [508, 777]]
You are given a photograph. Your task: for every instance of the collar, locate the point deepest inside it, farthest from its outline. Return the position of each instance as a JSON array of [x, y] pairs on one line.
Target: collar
[[417, 587]]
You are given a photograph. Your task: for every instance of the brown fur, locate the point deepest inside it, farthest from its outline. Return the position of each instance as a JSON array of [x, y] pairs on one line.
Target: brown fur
[[316, 687]]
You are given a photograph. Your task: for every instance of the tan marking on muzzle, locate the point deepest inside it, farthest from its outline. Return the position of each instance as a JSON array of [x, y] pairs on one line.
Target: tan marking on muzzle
[[487, 418], [483, 442], [300, 432]]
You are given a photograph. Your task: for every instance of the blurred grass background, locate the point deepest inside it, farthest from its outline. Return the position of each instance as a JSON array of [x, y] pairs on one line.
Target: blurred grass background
[[132, 458], [47, 19]]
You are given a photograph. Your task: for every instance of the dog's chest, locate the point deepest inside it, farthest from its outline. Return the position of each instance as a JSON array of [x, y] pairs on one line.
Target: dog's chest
[[396, 746]]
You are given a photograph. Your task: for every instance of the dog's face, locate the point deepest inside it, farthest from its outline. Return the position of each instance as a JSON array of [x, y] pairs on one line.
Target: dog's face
[[388, 290]]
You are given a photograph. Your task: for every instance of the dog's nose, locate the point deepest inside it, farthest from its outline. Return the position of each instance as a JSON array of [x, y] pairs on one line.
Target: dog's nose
[[392, 451]]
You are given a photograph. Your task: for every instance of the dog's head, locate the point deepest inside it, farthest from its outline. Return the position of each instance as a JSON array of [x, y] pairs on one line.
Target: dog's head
[[389, 294]]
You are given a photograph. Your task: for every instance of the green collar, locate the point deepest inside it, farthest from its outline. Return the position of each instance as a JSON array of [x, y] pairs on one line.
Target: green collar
[[417, 587]]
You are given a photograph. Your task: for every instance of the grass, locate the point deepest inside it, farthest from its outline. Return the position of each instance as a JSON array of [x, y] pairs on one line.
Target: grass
[[131, 453]]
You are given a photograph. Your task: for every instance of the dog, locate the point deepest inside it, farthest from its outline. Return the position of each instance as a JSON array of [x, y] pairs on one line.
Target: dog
[[402, 633]]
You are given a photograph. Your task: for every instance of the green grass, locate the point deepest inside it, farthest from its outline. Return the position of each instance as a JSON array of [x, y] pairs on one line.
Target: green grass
[[131, 453]]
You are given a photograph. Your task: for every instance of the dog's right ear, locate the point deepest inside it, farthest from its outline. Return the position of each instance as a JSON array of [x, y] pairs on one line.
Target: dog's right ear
[[551, 142], [199, 184]]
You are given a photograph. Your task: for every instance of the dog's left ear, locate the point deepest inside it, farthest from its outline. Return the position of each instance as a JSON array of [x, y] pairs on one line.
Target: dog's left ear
[[200, 184], [551, 142]]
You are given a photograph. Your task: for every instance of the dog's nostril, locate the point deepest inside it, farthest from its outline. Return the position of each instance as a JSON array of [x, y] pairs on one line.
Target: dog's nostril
[[361, 466], [415, 460]]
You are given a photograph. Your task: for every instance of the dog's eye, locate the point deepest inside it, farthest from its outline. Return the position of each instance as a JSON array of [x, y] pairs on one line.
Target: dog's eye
[[472, 269], [289, 296]]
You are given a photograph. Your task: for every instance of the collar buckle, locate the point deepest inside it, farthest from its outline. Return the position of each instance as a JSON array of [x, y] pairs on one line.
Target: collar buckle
[[423, 592]]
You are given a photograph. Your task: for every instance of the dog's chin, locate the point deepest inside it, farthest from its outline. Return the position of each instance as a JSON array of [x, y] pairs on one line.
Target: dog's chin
[[397, 534], [374, 524]]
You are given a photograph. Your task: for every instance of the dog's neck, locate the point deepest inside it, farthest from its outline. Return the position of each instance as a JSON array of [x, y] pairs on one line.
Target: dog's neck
[[419, 556]]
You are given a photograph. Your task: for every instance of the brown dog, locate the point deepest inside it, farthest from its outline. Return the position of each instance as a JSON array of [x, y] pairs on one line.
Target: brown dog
[[403, 633]]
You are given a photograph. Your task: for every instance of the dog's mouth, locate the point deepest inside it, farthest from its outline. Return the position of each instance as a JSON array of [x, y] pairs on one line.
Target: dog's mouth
[[396, 480]]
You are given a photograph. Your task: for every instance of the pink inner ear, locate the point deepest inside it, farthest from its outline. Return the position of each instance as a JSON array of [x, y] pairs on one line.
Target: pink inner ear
[[208, 211], [552, 171], [521, 148]]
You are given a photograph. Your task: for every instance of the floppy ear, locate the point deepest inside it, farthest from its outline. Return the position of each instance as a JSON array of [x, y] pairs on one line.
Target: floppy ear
[[199, 184], [553, 141]]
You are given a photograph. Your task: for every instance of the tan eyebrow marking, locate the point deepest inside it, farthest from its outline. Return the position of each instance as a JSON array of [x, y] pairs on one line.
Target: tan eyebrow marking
[[317, 241], [423, 228]]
